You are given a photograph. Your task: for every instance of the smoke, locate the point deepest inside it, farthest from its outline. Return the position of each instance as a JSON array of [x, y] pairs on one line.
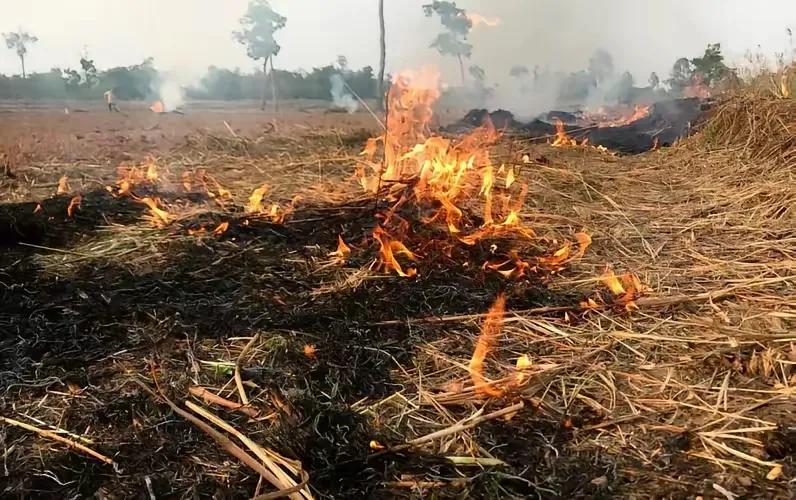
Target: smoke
[[342, 99], [171, 94]]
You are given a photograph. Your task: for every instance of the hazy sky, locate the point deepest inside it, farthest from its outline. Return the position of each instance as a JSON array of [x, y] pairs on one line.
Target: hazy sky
[[189, 35]]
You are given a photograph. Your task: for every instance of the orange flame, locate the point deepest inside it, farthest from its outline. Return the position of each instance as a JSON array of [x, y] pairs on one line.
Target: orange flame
[[152, 172], [158, 107], [63, 185], [221, 229], [492, 327], [256, 199], [187, 183], [388, 249], [74, 203], [479, 20], [562, 139], [160, 217], [310, 351], [343, 250], [627, 290]]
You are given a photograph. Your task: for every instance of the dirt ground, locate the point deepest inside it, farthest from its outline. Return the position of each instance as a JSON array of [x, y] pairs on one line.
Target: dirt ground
[[115, 324]]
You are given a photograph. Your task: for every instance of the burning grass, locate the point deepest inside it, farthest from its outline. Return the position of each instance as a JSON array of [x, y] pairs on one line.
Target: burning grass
[[454, 330]]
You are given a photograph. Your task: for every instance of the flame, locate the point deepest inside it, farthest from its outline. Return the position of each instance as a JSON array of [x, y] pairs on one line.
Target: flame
[[491, 328], [38, 208], [510, 178], [479, 20], [74, 203], [197, 232], [562, 139], [160, 217], [256, 199], [387, 250], [584, 242], [517, 269], [158, 107], [63, 185], [343, 251], [627, 290], [187, 180], [152, 172], [523, 363], [310, 351], [221, 229]]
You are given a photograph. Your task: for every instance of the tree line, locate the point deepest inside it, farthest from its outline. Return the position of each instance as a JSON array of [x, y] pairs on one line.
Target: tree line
[[258, 29]]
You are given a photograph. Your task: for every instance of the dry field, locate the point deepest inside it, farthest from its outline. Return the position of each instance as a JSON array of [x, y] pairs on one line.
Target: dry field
[[169, 328]]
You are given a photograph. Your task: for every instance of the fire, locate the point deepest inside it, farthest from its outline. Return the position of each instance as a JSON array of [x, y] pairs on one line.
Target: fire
[[523, 363], [158, 107], [74, 203], [510, 178], [626, 289], [492, 327], [343, 251], [479, 20], [256, 199], [563, 140], [310, 351], [388, 249], [63, 185], [152, 172], [187, 183], [160, 217], [221, 229]]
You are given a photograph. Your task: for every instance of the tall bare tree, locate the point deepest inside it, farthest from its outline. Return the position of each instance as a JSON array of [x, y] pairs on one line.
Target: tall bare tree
[[258, 26], [382, 54], [454, 41], [19, 41]]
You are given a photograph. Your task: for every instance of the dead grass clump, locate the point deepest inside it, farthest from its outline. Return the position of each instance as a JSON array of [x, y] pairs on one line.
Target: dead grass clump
[[759, 127]]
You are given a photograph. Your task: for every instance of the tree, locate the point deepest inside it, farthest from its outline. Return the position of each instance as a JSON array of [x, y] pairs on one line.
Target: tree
[[382, 54], [258, 27], [711, 65], [681, 75], [601, 65], [654, 80], [342, 61], [454, 41], [19, 41], [519, 72], [478, 73]]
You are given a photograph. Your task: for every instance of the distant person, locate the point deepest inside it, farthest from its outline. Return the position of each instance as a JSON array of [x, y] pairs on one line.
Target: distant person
[[109, 98]]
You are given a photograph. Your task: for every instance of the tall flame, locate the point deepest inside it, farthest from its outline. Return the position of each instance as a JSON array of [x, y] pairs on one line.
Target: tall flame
[[74, 203], [490, 330], [63, 185], [387, 250], [256, 199], [343, 250]]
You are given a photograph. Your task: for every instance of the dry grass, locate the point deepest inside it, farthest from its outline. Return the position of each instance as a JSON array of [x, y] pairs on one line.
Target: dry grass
[[689, 394]]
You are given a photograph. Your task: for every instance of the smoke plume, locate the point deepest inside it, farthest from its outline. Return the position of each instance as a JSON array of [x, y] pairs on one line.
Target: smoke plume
[[342, 99]]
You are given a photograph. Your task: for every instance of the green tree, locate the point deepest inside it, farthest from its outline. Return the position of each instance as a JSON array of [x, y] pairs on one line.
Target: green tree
[[681, 75], [454, 41], [654, 80], [258, 27], [19, 41], [519, 72], [711, 65], [601, 65]]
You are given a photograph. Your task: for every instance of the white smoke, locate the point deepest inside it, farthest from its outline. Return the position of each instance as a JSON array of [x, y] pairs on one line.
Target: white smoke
[[172, 94], [342, 99]]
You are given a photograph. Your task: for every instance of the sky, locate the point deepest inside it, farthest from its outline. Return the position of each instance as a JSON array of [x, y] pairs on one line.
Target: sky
[[186, 36]]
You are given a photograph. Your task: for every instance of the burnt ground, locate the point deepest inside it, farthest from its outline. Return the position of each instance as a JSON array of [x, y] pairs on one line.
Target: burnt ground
[[95, 304]]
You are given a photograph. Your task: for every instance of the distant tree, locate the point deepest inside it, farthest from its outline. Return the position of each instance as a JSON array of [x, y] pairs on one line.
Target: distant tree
[[258, 27], [478, 73], [711, 65], [622, 89], [519, 72], [89, 71], [382, 55], [342, 61], [601, 65], [454, 41], [654, 80], [19, 41], [681, 75]]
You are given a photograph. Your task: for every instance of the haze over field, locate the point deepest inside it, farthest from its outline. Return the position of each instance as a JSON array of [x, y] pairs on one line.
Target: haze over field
[[189, 35]]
